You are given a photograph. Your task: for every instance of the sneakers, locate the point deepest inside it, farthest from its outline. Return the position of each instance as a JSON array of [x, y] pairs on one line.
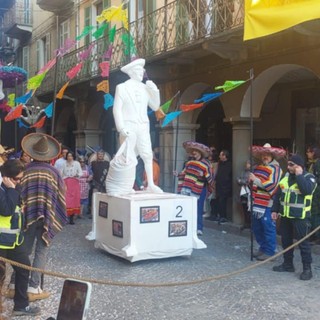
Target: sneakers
[[284, 267], [27, 311], [257, 253], [199, 233], [206, 215], [37, 294], [263, 257]]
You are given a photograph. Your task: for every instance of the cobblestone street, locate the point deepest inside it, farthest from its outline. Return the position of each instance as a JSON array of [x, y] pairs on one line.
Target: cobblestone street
[[257, 294]]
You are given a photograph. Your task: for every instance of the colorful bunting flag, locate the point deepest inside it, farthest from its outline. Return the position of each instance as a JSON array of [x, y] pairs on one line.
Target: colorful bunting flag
[[21, 123], [129, 46], [165, 107], [208, 97], [62, 90], [35, 82], [40, 123], [230, 85], [170, 117], [4, 107], [114, 14], [100, 31], [104, 66], [107, 55], [189, 107], [49, 110], [84, 55], [11, 97], [48, 66], [103, 86], [86, 30], [14, 113], [69, 43], [267, 17], [25, 98], [108, 101], [74, 71], [112, 33]]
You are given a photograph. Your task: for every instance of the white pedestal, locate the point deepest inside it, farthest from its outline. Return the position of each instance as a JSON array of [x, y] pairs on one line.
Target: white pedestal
[[146, 225]]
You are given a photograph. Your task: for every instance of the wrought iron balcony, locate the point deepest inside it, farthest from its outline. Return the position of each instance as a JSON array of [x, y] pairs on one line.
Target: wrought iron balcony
[[179, 27], [17, 21], [55, 5]]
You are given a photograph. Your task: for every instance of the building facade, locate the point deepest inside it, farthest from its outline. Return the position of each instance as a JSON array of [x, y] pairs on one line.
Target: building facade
[[190, 46]]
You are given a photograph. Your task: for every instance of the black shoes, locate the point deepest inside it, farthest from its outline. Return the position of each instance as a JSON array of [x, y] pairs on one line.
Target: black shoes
[[306, 273], [27, 311], [284, 267], [223, 220]]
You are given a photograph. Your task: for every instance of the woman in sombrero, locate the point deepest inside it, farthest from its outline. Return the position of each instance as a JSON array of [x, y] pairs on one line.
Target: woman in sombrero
[[265, 179], [196, 177]]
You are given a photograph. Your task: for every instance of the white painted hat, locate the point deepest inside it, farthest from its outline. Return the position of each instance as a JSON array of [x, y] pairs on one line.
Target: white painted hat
[[132, 64]]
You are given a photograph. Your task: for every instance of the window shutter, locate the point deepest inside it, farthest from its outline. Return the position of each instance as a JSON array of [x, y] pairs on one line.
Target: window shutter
[[105, 4], [48, 48]]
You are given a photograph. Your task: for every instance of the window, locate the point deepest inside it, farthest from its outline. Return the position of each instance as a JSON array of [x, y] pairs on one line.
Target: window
[[43, 51], [25, 58], [27, 12], [87, 23], [64, 32]]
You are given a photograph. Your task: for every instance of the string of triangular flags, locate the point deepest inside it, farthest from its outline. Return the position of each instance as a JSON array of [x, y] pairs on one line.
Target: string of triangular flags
[[198, 103], [108, 15]]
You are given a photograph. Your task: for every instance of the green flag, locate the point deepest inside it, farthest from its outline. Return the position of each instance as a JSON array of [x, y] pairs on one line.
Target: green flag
[[230, 85]]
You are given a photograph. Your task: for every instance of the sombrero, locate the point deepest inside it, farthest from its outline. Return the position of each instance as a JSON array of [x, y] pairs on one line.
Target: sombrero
[[40, 146], [191, 145], [267, 148]]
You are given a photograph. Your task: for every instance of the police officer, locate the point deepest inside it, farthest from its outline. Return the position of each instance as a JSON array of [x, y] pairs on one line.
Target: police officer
[[11, 239], [293, 203]]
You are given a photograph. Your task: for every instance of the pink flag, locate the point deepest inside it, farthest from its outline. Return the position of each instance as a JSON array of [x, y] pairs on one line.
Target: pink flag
[[69, 43], [104, 66], [85, 54], [107, 55], [48, 66], [74, 71]]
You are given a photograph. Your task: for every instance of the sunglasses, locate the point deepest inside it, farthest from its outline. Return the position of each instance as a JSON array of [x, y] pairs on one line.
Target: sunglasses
[[17, 179], [291, 164]]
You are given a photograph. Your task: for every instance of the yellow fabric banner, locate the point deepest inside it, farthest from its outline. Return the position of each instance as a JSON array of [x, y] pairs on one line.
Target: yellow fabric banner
[[264, 17]]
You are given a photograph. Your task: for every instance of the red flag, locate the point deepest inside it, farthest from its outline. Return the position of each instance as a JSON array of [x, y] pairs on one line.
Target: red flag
[[14, 113], [189, 107], [40, 123], [74, 71]]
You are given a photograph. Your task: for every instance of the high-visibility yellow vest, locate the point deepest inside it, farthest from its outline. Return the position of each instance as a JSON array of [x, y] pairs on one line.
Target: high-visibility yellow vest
[[292, 203], [10, 230]]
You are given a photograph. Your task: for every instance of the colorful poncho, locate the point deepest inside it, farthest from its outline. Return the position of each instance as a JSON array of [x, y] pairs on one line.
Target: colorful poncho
[[43, 196], [269, 177]]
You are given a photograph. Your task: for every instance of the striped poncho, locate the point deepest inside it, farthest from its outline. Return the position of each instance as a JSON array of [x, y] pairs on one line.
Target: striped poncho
[[43, 196], [194, 176], [268, 177]]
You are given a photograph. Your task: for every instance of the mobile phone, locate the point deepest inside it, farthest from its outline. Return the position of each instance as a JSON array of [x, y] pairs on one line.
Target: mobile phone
[[74, 301]]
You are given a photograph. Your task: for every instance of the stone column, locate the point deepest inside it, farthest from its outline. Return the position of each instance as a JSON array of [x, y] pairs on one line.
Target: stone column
[[88, 137], [240, 153], [170, 158]]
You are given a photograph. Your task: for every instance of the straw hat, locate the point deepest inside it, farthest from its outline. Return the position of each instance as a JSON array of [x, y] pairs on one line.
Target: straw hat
[[131, 65], [191, 145], [277, 153], [40, 146]]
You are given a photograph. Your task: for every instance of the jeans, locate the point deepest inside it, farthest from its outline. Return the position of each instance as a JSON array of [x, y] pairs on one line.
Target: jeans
[[264, 230], [200, 204], [18, 254], [34, 233]]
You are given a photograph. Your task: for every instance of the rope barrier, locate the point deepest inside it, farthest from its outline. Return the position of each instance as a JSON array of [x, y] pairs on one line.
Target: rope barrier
[[155, 285]]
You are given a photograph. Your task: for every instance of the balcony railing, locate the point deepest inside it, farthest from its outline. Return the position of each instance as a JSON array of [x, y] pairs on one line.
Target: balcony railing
[[18, 14], [171, 28]]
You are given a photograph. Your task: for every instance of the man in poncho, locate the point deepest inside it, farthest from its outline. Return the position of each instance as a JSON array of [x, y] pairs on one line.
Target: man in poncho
[[43, 203]]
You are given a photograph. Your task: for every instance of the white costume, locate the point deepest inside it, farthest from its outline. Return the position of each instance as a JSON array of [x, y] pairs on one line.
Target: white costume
[[131, 102]]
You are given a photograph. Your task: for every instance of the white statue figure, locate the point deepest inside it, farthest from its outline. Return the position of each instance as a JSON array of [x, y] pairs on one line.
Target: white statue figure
[[131, 102]]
